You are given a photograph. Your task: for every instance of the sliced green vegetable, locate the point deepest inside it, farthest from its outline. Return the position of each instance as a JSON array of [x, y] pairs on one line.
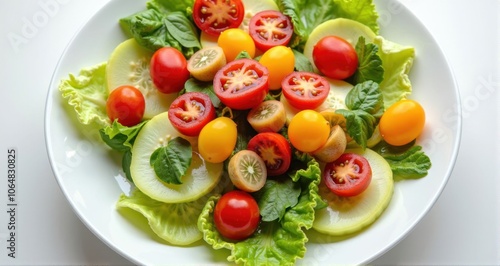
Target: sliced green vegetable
[[87, 94], [176, 223]]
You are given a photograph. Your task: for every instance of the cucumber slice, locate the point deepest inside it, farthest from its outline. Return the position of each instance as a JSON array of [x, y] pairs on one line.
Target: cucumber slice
[[177, 223], [349, 215], [129, 65], [334, 100], [348, 29], [200, 178]]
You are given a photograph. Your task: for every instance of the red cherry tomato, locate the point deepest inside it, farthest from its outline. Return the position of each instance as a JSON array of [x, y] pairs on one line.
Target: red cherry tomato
[[190, 112], [215, 16], [270, 28], [348, 176], [274, 149], [335, 57], [242, 84], [236, 215], [305, 90], [168, 70], [126, 104]]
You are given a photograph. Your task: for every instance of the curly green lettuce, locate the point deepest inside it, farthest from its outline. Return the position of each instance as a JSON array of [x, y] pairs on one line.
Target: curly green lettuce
[[87, 94]]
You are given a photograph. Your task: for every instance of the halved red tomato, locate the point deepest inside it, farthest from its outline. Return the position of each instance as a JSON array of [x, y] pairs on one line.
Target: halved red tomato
[[305, 90], [215, 16], [274, 149], [348, 176], [190, 112], [242, 84], [270, 28]]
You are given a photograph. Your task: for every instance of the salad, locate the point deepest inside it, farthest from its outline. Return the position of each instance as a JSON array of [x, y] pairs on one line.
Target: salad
[[246, 125]]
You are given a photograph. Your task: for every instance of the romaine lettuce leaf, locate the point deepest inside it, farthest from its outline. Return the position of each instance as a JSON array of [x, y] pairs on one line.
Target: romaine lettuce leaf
[[308, 14], [278, 242], [87, 94], [397, 61]]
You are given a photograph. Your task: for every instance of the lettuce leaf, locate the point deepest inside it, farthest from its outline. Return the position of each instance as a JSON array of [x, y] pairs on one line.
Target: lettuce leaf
[[175, 223], [167, 6], [397, 61], [277, 242], [87, 94], [120, 137], [308, 14]]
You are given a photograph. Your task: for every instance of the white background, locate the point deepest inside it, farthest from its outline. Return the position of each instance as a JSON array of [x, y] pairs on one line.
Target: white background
[[462, 228]]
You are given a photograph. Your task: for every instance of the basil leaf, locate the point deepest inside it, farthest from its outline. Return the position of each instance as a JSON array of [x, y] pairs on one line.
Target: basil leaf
[[370, 64], [194, 85], [182, 30], [243, 55], [360, 125], [171, 162], [367, 97], [406, 161], [276, 197]]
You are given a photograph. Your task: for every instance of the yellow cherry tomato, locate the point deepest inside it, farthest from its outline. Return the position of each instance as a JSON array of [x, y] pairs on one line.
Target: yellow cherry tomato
[[280, 61], [402, 122], [308, 130], [217, 140], [234, 41]]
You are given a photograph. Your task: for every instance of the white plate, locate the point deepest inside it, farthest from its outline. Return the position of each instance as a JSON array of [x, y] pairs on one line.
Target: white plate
[[91, 181]]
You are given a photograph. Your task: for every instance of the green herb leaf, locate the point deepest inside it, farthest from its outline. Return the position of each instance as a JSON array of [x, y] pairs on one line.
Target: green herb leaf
[[171, 162], [360, 125], [168, 6], [276, 197], [194, 85], [406, 161], [119, 137], [366, 97], [302, 63], [370, 64], [243, 55], [154, 30]]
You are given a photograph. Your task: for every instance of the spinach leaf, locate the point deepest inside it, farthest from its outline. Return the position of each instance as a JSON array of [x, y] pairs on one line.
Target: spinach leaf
[[276, 197], [171, 162], [408, 161], [370, 64]]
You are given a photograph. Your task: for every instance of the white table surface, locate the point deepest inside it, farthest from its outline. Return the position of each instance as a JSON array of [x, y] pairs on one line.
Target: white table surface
[[463, 227]]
